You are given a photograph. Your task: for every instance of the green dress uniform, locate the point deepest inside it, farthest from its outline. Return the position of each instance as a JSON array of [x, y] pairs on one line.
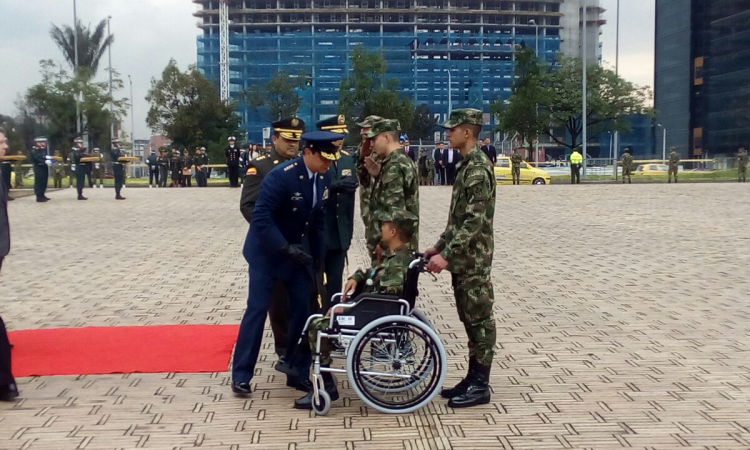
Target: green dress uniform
[[516, 159], [468, 245], [80, 169], [396, 188], [674, 163], [257, 169], [41, 172], [97, 170], [627, 166], [118, 168], [58, 172], [742, 165]]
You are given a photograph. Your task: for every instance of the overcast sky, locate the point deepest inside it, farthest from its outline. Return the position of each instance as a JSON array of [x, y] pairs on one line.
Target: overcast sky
[[150, 32]]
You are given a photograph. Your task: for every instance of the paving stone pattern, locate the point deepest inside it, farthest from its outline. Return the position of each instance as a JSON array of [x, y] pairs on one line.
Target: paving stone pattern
[[622, 314]]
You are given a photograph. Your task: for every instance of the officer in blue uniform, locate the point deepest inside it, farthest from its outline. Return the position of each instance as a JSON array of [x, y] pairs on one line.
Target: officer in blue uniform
[[285, 243], [118, 168], [41, 170], [339, 211]]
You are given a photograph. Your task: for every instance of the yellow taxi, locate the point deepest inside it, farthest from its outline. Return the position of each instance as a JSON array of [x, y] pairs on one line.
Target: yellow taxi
[[651, 169], [529, 174]]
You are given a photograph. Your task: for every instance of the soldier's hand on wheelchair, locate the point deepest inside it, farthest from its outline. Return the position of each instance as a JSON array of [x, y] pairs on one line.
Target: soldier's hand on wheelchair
[[437, 264], [429, 253], [349, 288]]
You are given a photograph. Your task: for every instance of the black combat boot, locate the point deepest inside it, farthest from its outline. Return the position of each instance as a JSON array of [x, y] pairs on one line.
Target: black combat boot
[[460, 388], [477, 393], [329, 384]]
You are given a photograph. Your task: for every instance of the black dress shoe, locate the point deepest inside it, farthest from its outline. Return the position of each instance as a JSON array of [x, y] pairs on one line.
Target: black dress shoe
[[478, 391], [81, 197], [8, 393], [240, 388], [10, 199], [46, 198], [119, 197], [329, 384], [300, 384], [460, 388], [42, 200]]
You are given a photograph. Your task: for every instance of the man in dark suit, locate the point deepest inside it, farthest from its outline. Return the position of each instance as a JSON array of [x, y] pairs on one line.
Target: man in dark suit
[[285, 139], [339, 211], [439, 157], [8, 388], [286, 242], [452, 157], [490, 151], [410, 151]]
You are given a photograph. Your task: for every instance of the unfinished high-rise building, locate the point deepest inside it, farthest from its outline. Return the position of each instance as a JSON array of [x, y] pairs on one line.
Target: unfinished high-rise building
[[425, 43]]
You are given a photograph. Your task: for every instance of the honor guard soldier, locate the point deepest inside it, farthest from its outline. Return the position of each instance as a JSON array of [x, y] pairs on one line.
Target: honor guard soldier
[[41, 170], [77, 153], [339, 211], [465, 249], [233, 154], [118, 168], [153, 169], [284, 244], [163, 163], [201, 167], [97, 172], [286, 138]]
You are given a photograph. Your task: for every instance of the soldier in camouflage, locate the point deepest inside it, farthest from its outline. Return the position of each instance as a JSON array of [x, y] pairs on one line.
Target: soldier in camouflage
[[465, 249], [365, 158], [627, 166], [395, 188], [674, 163], [742, 165], [387, 277], [516, 159]]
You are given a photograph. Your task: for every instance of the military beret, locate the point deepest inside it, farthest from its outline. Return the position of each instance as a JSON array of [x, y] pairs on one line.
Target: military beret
[[335, 124], [369, 121], [290, 128], [465, 115], [383, 126], [402, 219], [326, 143]]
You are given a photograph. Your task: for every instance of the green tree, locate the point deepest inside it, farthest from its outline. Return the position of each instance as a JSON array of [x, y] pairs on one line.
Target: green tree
[[91, 44], [52, 104], [188, 109], [423, 125], [367, 91], [13, 133], [279, 95], [520, 115]]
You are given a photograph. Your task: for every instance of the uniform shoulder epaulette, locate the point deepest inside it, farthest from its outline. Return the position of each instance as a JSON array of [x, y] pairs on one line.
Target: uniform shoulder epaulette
[[290, 166], [345, 152], [261, 158]]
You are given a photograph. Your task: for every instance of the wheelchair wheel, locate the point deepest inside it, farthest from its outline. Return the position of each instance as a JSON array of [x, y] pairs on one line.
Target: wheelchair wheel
[[323, 405], [419, 315], [412, 373]]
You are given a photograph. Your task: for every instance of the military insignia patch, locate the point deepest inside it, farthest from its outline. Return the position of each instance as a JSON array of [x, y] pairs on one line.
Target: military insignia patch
[[325, 195], [295, 122], [251, 171], [342, 119], [346, 173]]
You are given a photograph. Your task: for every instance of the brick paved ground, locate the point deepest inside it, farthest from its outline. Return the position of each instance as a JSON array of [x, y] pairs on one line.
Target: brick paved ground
[[622, 311]]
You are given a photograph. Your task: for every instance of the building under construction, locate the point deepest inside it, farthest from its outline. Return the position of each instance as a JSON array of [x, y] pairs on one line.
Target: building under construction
[[426, 44]]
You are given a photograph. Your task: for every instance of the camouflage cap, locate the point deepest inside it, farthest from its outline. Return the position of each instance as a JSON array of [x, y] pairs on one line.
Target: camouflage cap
[[465, 115], [383, 126], [369, 121], [402, 219], [627, 150]]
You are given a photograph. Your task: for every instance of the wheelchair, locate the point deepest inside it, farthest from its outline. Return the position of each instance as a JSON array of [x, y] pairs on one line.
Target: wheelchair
[[393, 358]]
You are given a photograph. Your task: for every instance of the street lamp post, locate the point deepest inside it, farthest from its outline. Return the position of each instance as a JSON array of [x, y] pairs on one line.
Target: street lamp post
[[617, 72], [585, 92], [75, 67], [111, 106], [132, 113], [536, 51]]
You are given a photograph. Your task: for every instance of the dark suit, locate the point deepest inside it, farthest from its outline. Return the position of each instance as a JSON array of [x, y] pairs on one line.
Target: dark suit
[[232, 154], [339, 225], [491, 153], [6, 377], [153, 169], [451, 166], [278, 311], [284, 215], [439, 157], [41, 171], [411, 152]]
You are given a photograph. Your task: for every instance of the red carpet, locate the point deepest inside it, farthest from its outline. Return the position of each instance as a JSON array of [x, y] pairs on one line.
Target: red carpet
[[98, 350]]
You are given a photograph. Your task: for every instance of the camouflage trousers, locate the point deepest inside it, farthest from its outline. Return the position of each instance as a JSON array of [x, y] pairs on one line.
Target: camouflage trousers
[[516, 173], [742, 174], [317, 325], [672, 171], [474, 301]]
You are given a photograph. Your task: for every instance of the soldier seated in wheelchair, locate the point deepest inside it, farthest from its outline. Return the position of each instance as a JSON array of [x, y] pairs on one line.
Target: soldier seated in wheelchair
[[386, 278]]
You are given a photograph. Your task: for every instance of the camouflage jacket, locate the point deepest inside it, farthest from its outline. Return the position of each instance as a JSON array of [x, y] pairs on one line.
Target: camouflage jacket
[[627, 160], [468, 240], [397, 187], [365, 185], [516, 159], [742, 159], [388, 276], [674, 159]]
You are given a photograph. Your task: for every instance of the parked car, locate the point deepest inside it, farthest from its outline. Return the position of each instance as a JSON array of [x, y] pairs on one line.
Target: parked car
[[651, 169], [529, 174]]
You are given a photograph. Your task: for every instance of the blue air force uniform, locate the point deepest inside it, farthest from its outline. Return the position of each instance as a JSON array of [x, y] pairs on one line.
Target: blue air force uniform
[[284, 243]]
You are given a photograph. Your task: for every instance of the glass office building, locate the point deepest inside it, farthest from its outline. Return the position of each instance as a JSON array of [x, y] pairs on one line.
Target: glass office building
[[702, 75], [421, 40]]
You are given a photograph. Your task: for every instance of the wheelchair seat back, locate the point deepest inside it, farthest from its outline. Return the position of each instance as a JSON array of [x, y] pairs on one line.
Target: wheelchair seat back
[[367, 308], [411, 284]]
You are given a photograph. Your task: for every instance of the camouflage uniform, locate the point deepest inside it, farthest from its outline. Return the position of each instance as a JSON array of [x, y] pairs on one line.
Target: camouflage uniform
[[468, 245], [18, 182], [364, 178], [387, 277], [627, 166], [516, 159], [674, 162], [58, 172], [742, 165], [396, 188]]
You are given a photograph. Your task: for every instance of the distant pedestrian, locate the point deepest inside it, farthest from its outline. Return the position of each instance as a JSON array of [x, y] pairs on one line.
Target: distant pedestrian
[[58, 170], [97, 169], [163, 162], [187, 169], [439, 157], [201, 167], [153, 169], [452, 158], [490, 151], [742, 165], [426, 167], [175, 168], [515, 161], [576, 161], [232, 154], [627, 166], [674, 164]]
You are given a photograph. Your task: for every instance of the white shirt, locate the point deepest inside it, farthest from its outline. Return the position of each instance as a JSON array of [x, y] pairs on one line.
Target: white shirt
[[310, 177], [450, 156]]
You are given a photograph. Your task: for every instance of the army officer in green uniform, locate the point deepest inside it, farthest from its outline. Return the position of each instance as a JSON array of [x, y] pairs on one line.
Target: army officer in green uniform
[[41, 170], [339, 211]]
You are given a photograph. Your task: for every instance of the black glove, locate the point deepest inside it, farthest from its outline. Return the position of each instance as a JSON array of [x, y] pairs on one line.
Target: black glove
[[346, 185], [296, 254]]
